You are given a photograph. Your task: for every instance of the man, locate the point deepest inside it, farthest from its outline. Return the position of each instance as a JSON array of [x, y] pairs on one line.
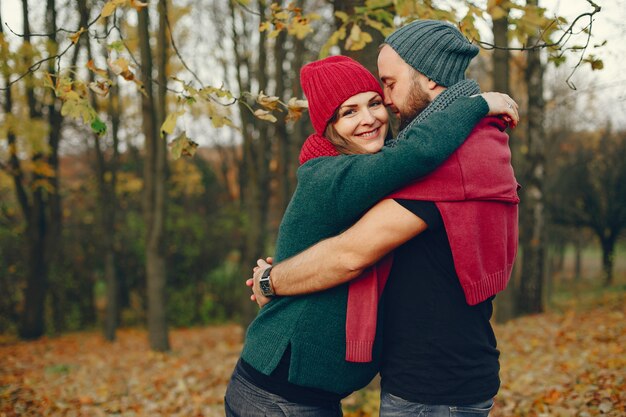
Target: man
[[453, 234]]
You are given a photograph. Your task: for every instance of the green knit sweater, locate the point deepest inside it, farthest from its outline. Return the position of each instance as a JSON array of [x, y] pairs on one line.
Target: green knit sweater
[[332, 193]]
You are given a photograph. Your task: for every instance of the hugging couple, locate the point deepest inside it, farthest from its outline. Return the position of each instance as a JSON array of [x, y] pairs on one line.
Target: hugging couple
[[391, 250]]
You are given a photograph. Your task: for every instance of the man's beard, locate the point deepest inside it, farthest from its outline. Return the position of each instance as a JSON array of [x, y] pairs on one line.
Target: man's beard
[[416, 102]]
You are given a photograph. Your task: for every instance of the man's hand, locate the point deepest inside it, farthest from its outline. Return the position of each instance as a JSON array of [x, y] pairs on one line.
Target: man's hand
[[253, 282]]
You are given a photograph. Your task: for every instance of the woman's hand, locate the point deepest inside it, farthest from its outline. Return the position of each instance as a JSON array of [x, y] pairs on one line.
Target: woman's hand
[[502, 105], [253, 282]]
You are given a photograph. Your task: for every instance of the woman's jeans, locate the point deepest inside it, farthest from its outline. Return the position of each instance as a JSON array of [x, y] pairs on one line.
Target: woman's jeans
[[392, 406], [244, 399]]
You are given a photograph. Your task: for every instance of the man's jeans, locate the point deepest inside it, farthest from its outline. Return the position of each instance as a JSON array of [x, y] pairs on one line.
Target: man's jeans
[[392, 406], [244, 399]]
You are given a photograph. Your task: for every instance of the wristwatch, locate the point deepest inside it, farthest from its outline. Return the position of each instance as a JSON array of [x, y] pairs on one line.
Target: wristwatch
[[265, 284]]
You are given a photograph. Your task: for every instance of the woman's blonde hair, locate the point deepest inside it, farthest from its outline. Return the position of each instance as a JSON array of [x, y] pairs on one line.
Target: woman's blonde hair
[[341, 144]]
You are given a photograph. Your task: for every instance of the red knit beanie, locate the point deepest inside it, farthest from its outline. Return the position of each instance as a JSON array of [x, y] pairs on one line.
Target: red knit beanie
[[329, 82]]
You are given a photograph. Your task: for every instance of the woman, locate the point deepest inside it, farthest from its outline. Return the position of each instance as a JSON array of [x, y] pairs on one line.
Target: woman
[[294, 358]]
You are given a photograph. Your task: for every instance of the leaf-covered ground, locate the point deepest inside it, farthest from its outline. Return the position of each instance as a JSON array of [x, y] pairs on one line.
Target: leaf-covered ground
[[557, 365]]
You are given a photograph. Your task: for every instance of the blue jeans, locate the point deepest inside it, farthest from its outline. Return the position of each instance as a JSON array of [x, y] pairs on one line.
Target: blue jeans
[[244, 399], [392, 406]]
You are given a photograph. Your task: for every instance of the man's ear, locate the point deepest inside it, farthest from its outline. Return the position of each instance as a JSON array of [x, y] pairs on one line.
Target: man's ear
[[432, 85]]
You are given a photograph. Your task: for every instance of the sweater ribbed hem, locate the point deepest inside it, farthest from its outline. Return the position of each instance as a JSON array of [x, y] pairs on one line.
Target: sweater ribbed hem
[[490, 285], [359, 350]]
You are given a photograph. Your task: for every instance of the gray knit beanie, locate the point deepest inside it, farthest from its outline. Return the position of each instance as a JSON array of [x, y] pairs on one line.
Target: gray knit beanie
[[436, 49]]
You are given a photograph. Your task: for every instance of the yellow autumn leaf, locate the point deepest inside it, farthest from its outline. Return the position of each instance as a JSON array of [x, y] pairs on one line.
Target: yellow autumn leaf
[[265, 115], [343, 16], [44, 184], [333, 40], [182, 146], [76, 36], [219, 92], [313, 16], [78, 109], [355, 33], [118, 66], [92, 67], [295, 108], [170, 122], [357, 39], [43, 169], [109, 7], [138, 5], [100, 87], [274, 33], [269, 102], [300, 28]]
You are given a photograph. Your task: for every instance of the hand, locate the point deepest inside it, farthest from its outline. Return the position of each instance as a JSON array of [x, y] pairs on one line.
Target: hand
[[253, 282], [502, 105]]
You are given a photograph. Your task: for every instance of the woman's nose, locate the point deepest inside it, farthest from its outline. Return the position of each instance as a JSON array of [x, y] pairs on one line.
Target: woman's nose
[[368, 117]]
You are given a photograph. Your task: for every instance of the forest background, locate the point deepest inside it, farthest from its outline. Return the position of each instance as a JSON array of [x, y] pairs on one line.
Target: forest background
[[148, 150]]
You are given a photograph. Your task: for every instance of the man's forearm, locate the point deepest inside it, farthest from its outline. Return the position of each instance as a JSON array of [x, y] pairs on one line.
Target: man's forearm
[[324, 265], [341, 258]]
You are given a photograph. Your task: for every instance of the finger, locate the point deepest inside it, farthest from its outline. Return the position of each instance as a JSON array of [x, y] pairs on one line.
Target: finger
[[249, 282], [253, 297], [269, 260], [260, 262]]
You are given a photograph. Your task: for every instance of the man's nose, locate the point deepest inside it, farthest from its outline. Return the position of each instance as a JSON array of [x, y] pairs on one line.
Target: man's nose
[[387, 99]]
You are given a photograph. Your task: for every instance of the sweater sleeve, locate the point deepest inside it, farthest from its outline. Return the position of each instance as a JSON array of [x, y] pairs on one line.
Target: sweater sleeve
[[359, 181]]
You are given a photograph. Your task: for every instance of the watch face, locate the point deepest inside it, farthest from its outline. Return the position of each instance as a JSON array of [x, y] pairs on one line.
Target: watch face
[[266, 289]]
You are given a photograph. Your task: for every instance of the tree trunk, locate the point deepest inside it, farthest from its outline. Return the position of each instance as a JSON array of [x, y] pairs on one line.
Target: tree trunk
[[254, 167], [504, 304], [284, 153], [107, 199], [530, 296], [154, 184], [608, 255], [303, 127], [501, 55], [54, 239], [32, 323], [367, 56], [578, 263]]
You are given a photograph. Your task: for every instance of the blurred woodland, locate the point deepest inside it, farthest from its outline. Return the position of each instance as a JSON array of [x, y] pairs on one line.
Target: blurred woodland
[[148, 150]]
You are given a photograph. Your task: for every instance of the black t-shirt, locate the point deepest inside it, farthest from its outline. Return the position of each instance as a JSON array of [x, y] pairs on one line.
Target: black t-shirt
[[437, 348]]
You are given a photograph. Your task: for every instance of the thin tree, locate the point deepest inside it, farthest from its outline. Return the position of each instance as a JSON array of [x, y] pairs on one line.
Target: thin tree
[[532, 223], [154, 177]]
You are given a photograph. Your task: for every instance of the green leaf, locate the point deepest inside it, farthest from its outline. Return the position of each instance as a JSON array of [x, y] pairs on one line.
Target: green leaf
[[117, 46], [98, 126]]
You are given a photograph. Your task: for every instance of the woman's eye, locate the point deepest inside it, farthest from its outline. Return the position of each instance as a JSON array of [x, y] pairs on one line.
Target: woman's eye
[[347, 113], [376, 103]]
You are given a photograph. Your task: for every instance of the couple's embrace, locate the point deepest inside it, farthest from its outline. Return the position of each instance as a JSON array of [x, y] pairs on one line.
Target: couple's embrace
[[391, 250]]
